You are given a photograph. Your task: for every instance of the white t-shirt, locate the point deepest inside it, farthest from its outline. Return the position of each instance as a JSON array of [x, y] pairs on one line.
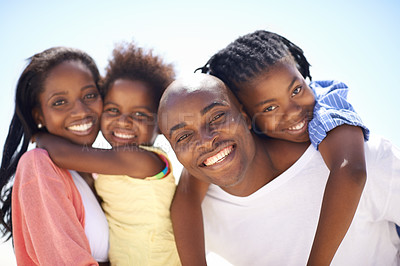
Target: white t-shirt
[[276, 224], [96, 226]]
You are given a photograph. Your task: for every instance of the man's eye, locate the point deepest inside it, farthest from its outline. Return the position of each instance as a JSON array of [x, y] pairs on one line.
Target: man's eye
[[270, 108], [217, 117], [183, 137]]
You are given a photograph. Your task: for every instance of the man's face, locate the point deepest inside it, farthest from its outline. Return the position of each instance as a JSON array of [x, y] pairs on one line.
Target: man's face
[[207, 131]]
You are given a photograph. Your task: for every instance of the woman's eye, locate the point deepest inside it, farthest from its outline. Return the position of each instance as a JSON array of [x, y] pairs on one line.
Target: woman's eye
[[296, 91], [270, 108], [59, 102], [91, 96]]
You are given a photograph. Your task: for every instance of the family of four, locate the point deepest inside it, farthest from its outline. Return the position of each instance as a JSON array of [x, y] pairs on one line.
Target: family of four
[[278, 169]]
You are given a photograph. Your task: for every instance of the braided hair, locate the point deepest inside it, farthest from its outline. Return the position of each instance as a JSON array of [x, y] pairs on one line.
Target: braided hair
[[30, 85], [252, 54]]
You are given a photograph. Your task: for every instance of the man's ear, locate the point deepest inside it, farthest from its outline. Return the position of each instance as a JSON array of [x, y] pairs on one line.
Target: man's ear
[[245, 117], [38, 116]]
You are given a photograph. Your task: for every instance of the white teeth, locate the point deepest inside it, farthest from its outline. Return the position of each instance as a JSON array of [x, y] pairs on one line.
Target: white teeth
[[123, 136], [298, 126], [81, 127], [219, 157]]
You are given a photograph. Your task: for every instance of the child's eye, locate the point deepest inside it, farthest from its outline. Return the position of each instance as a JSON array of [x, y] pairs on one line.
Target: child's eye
[[142, 116], [296, 91], [270, 108], [112, 110], [217, 117], [59, 102]]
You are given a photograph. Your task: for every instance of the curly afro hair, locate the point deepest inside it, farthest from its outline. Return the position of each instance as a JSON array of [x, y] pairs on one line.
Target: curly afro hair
[[134, 63]]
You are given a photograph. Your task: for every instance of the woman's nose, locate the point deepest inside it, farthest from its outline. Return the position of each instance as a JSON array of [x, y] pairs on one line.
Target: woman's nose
[[79, 109]]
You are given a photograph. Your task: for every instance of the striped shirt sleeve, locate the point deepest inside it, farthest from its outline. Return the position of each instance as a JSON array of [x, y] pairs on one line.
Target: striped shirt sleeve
[[331, 110]]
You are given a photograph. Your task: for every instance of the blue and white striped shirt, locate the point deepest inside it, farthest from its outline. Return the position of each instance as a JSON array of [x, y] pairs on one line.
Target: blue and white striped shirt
[[331, 110]]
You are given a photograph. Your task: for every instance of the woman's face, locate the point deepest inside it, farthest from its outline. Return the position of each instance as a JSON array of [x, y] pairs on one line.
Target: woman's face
[[70, 103]]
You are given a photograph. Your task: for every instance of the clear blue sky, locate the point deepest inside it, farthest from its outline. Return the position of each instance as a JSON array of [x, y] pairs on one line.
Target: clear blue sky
[[356, 42]]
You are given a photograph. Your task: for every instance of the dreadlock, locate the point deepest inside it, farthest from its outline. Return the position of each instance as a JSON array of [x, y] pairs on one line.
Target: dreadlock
[[250, 55]]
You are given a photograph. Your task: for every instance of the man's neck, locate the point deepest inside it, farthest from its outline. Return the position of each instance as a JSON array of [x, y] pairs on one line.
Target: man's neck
[[272, 158]]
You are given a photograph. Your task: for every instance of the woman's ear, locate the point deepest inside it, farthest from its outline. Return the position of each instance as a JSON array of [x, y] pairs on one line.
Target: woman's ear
[[38, 117]]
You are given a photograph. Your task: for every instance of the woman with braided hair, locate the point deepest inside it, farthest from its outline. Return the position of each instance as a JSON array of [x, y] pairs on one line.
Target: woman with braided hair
[[268, 73], [52, 213]]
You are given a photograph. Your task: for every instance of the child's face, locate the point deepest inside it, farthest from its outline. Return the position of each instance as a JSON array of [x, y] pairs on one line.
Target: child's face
[[280, 103], [129, 114], [70, 103], [208, 133]]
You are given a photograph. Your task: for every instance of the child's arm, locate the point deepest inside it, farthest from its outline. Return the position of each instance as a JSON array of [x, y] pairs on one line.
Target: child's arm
[[187, 219], [343, 153], [132, 161]]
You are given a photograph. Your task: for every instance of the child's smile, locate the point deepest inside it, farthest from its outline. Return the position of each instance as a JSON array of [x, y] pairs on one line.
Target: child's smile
[[280, 103], [129, 114]]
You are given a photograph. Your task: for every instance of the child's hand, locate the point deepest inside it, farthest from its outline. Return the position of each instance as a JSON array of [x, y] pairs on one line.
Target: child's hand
[[44, 139]]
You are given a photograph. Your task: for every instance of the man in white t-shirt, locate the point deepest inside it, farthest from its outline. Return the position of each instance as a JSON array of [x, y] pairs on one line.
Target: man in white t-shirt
[[263, 205], [288, 210]]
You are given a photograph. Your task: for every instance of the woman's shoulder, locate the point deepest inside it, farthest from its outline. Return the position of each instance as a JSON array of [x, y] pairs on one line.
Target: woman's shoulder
[[37, 162], [34, 156]]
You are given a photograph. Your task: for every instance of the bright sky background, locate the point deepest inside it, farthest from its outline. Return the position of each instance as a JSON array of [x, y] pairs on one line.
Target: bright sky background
[[355, 42]]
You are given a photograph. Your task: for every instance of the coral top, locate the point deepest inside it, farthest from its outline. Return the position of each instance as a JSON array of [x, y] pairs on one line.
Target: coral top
[[48, 215]]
